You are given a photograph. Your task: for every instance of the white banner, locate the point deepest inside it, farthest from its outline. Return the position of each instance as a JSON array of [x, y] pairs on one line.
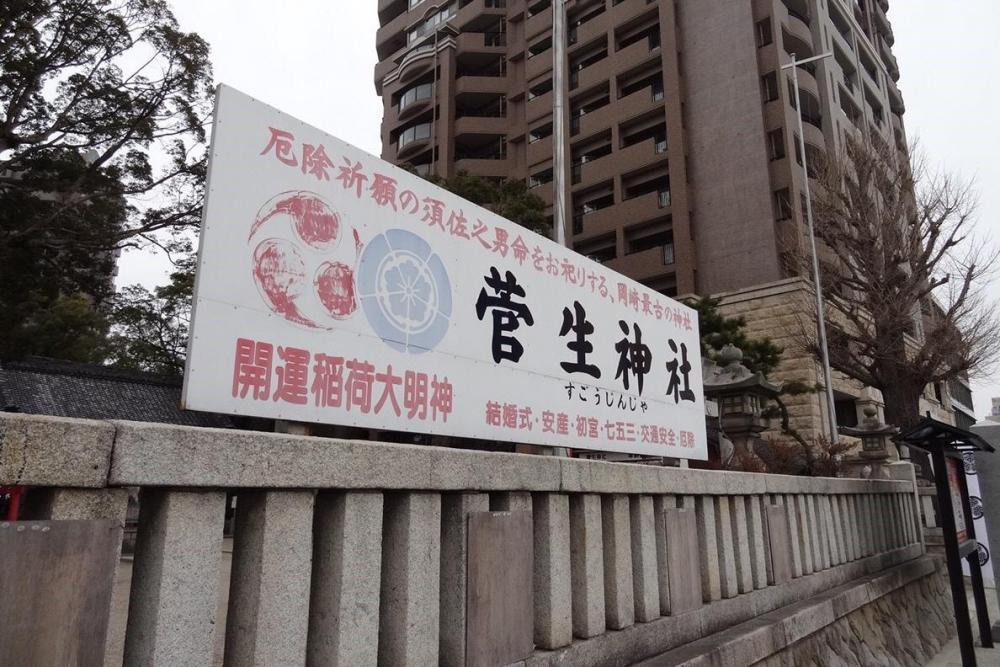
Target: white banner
[[336, 288]]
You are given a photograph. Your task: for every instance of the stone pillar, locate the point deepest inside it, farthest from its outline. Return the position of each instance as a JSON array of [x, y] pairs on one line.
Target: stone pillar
[[868, 516], [850, 526], [587, 565], [645, 581], [347, 568], [832, 518], [661, 503], [744, 566], [409, 611], [805, 537], [794, 532], [759, 543], [619, 602], [268, 617], [175, 579], [553, 600], [838, 529], [727, 547], [879, 542], [815, 533], [708, 549], [930, 516]]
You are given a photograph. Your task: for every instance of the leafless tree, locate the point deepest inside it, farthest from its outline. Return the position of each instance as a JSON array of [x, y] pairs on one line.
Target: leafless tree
[[903, 274]]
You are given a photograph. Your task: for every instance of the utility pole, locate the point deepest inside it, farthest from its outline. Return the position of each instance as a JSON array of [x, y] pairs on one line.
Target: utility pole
[[559, 138], [831, 411]]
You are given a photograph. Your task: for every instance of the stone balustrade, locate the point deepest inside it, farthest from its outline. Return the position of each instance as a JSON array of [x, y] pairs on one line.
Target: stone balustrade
[[355, 553]]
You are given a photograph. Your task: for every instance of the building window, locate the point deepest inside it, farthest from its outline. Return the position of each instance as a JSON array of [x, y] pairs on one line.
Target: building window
[[422, 92], [414, 133], [540, 132], [660, 239], [538, 7], [541, 178], [782, 204], [539, 47], [539, 89], [763, 29], [846, 411], [769, 86], [776, 144], [663, 198], [434, 20]]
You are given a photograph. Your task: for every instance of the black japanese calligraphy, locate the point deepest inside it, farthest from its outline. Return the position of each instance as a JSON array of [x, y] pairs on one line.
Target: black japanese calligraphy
[[507, 314], [576, 321], [673, 388], [634, 357]]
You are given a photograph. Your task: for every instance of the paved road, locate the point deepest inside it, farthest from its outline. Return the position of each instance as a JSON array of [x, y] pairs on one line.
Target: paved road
[[951, 656]]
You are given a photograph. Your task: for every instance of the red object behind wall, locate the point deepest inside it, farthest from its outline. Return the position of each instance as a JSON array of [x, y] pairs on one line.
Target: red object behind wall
[[14, 495]]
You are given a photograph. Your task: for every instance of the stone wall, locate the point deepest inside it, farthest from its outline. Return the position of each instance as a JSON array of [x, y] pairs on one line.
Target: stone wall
[[904, 628], [332, 531], [783, 311]]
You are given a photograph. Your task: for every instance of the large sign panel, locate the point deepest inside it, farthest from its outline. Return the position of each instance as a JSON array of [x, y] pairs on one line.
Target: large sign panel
[[336, 288]]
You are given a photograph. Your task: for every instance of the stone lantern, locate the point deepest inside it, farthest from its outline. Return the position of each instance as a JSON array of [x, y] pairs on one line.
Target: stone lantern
[[741, 396], [876, 437]]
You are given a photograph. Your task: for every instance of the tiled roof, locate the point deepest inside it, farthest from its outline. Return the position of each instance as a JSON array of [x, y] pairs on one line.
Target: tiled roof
[[69, 389]]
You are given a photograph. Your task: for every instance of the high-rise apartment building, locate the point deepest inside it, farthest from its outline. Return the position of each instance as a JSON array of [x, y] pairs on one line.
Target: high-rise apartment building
[[682, 132], [682, 144]]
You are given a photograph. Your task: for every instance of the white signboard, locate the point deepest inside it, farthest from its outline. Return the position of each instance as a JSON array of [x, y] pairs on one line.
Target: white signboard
[[336, 288]]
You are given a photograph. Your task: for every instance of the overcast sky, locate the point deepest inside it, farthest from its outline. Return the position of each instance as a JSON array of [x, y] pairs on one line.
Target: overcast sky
[[314, 59]]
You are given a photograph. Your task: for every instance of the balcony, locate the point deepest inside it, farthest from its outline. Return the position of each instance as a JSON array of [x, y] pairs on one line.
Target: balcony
[[538, 107], [489, 167], [883, 26], [540, 150], [480, 84], [592, 171], [415, 99], [586, 33], [412, 139], [642, 154], [627, 9], [482, 42], [476, 9], [588, 77], [392, 36], [797, 37], [537, 65], [638, 209], [410, 65], [646, 264], [538, 24], [889, 60], [592, 122], [798, 9], [639, 102], [808, 85], [634, 55], [480, 125]]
